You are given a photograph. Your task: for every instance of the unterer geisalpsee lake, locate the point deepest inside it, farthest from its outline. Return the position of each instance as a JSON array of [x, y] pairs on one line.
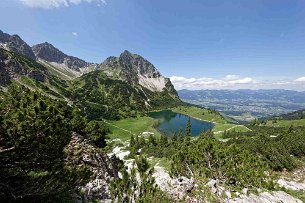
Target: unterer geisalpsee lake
[[171, 122]]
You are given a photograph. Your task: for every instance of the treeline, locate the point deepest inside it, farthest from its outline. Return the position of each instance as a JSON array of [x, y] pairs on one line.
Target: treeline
[[294, 115]]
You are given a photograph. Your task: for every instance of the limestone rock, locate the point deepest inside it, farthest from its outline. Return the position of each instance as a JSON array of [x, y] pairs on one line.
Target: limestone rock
[[83, 154], [291, 185], [266, 197]]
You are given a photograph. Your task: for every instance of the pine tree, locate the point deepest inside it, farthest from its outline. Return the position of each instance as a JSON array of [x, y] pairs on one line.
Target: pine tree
[[132, 141], [97, 133], [163, 141], [188, 132], [180, 136], [152, 140], [175, 138]]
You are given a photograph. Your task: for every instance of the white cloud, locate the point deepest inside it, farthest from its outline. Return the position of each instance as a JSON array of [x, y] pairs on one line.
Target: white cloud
[[301, 79], [49, 4], [246, 80], [231, 77], [236, 82], [75, 34], [207, 83]]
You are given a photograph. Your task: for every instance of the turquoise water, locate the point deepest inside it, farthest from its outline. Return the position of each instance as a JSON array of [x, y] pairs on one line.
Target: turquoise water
[[171, 122]]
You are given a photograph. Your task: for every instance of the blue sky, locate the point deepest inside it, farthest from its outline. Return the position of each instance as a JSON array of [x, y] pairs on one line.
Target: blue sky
[[199, 42]]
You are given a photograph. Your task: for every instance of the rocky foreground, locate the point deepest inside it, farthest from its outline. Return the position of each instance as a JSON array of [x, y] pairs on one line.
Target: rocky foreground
[[180, 188]]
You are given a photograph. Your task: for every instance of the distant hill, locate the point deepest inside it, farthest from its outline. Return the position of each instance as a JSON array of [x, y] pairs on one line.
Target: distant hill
[[293, 115], [246, 105]]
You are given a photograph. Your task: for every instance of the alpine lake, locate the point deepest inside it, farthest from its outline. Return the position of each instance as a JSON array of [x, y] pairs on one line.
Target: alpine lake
[[171, 122]]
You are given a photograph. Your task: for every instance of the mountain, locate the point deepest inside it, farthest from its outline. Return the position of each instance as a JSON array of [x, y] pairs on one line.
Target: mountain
[[59, 63], [130, 68], [246, 105], [99, 95], [120, 87], [15, 44], [123, 87], [135, 70], [49, 53]]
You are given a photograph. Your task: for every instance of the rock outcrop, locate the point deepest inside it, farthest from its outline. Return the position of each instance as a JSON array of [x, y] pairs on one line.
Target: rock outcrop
[[12, 68], [266, 197], [82, 153], [177, 188]]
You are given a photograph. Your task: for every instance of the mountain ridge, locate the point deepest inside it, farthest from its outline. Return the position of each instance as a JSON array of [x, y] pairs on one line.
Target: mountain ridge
[[46, 51], [131, 68], [113, 89]]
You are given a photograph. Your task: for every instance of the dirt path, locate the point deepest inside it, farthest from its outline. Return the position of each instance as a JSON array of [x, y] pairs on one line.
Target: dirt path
[[221, 131]]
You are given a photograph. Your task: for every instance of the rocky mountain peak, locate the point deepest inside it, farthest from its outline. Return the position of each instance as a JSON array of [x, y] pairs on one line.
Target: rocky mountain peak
[[126, 53], [14, 43], [138, 64], [136, 70], [49, 53]]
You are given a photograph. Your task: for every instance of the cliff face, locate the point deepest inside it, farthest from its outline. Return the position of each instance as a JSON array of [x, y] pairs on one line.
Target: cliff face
[[11, 68], [49, 53]]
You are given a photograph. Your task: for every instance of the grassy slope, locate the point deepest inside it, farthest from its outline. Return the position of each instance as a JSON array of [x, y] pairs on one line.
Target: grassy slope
[[287, 123], [200, 113], [123, 129]]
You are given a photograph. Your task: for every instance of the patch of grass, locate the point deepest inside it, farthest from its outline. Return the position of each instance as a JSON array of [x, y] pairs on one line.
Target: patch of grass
[[27, 81], [286, 123], [161, 162], [200, 113], [220, 128], [165, 163], [123, 129]]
